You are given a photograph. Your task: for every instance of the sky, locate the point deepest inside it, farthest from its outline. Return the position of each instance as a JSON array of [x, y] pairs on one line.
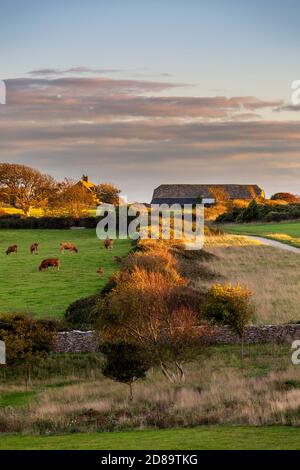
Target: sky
[[142, 93]]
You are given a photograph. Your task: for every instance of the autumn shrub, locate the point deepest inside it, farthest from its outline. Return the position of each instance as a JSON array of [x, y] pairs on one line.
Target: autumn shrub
[[266, 211], [160, 260], [186, 296], [156, 313], [26, 340], [150, 305], [173, 259], [146, 245], [138, 296], [229, 305], [288, 198], [83, 313]]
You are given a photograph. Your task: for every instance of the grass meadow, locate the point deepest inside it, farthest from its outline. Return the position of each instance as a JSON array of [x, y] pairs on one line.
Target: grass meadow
[[272, 275], [204, 438], [286, 232], [48, 294], [76, 407], [225, 403], [23, 288]]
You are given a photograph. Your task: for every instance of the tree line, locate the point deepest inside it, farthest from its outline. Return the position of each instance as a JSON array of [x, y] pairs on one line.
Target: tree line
[[25, 188]]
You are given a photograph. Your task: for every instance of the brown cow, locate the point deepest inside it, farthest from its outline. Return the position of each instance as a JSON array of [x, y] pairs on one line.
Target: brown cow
[[34, 248], [118, 259], [100, 271], [49, 263], [108, 243], [12, 249], [68, 247]]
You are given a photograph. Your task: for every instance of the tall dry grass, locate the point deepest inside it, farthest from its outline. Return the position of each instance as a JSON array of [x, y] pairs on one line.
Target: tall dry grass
[[282, 237], [225, 240], [272, 275], [218, 391]]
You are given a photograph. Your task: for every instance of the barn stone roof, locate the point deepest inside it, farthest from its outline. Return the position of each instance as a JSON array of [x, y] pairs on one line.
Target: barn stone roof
[[191, 192]]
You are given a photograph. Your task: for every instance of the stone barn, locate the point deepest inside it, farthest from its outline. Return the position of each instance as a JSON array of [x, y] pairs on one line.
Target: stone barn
[[208, 194]]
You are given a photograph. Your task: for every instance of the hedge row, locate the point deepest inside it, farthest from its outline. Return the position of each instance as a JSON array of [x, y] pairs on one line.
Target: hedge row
[[19, 222], [261, 213]]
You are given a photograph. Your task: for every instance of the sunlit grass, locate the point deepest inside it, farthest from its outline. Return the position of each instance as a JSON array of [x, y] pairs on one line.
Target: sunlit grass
[[272, 275], [219, 389], [46, 294], [286, 232], [203, 438]]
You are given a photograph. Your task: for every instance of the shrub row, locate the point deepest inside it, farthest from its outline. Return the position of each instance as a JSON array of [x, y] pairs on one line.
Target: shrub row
[[261, 213], [26, 340], [17, 221]]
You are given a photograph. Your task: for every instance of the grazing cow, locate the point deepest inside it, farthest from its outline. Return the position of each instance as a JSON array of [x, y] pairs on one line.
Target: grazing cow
[[12, 249], [49, 263], [68, 247], [34, 248], [108, 243], [100, 271], [118, 259]]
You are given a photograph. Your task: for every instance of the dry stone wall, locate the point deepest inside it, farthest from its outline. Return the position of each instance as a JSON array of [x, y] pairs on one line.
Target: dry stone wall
[[88, 341], [76, 342], [258, 334]]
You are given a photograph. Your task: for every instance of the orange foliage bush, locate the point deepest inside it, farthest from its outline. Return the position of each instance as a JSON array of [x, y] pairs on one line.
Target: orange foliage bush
[[160, 260], [230, 305], [138, 305], [152, 306]]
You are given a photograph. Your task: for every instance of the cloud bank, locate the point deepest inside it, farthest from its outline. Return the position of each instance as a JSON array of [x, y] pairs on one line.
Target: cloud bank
[[141, 133]]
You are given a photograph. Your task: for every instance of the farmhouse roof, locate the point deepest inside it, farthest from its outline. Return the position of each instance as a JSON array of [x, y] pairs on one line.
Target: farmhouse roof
[[86, 183], [195, 191]]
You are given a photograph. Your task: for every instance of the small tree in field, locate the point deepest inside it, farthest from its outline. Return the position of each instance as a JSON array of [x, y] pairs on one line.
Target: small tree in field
[[125, 363], [26, 340], [146, 309], [24, 187], [108, 193], [230, 305]]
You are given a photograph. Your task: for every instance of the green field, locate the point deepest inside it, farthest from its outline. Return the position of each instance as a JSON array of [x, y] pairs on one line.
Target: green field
[[206, 438], [70, 405], [13, 399], [48, 294], [289, 231]]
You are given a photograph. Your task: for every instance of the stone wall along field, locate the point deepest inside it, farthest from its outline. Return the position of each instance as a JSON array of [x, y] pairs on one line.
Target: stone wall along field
[[88, 341]]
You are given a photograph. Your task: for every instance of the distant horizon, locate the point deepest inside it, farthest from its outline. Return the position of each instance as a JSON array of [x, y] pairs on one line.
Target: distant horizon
[[175, 183]]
